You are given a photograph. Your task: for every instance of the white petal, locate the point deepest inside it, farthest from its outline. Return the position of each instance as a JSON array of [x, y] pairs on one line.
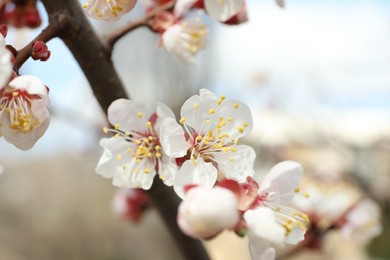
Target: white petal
[[133, 175], [262, 225], [167, 170], [205, 212], [196, 110], [236, 165], [172, 138], [281, 181], [296, 235], [129, 114], [241, 118], [163, 111], [222, 10], [108, 164], [261, 251], [203, 174]]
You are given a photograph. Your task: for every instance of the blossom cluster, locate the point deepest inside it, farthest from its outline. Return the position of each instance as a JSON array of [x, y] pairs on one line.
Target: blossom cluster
[[201, 156], [181, 34], [24, 102]]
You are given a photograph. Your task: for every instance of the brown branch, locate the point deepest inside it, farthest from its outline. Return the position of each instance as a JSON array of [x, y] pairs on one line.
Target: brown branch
[[50, 32], [94, 59], [120, 32]]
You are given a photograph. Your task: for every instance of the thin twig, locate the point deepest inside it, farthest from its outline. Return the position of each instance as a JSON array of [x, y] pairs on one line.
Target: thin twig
[[120, 32], [50, 32]]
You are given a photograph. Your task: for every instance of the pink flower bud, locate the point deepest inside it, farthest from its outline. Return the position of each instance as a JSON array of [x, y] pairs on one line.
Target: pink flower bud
[[40, 51], [130, 204]]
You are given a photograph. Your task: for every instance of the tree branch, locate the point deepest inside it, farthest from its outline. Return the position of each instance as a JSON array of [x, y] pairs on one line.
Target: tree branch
[[94, 59], [119, 33]]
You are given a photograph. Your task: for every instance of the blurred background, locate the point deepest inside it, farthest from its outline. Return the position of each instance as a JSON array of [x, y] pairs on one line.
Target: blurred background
[[316, 75]]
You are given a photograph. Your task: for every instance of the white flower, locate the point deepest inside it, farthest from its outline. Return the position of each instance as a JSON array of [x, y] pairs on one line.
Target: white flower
[[134, 155], [5, 63], [185, 39], [328, 202], [222, 10], [363, 222], [207, 211], [270, 219], [24, 114], [108, 10], [208, 142]]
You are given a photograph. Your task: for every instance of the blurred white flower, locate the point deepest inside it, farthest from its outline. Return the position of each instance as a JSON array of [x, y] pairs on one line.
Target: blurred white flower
[[207, 142], [185, 39], [108, 10], [363, 222], [207, 211], [24, 114], [328, 202], [133, 156]]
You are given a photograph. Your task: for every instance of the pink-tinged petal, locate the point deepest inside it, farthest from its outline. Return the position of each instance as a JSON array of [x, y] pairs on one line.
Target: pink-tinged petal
[[222, 10], [110, 10], [129, 114], [32, 85], [133, 175], [236, 165], [167, 170], [282, 181], [108, 164], [182, 7], [202, 173], [172, 138], [238, 118]]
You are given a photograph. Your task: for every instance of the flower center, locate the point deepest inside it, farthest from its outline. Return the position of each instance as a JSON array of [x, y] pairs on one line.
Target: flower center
[[147, 146], [15, 106], [213, 137]]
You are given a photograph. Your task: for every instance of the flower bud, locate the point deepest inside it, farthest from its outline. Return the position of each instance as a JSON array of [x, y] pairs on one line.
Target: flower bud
[[207, 211], [40, 51]]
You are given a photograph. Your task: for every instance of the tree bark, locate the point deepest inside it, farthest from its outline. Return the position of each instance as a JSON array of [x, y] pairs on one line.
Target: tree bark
[[93, 56]]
